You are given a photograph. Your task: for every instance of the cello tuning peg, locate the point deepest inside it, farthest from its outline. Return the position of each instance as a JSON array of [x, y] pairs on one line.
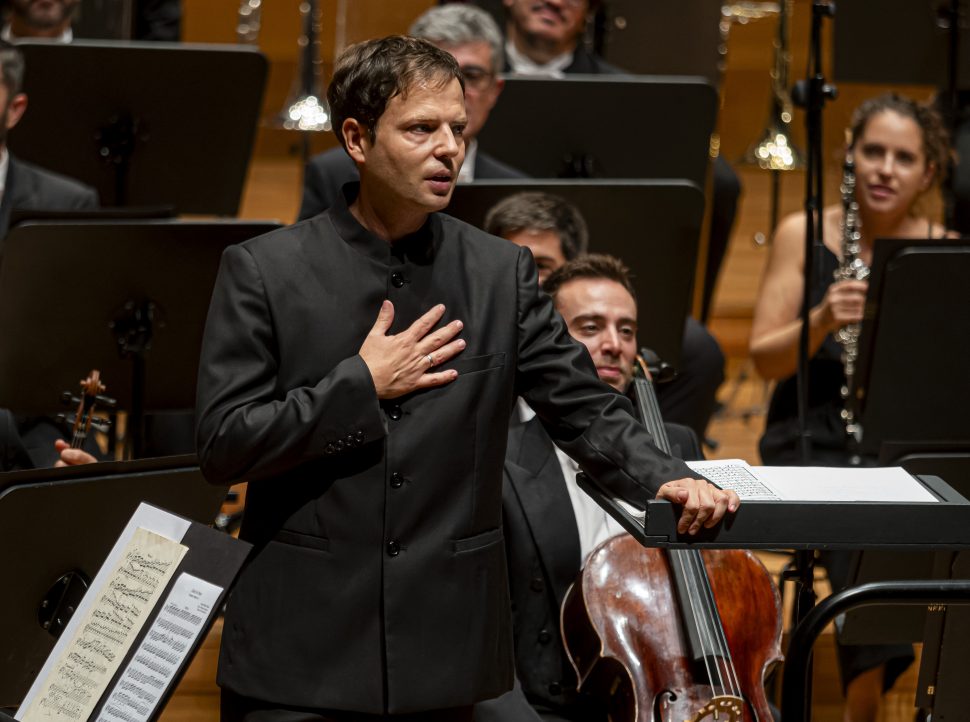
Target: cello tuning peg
[[68, 398], [106, 401]]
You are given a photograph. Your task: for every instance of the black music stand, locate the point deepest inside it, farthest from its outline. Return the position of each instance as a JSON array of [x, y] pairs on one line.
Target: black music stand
[[554, 128], [57, 526], [914, 349], [654, 226], [128, 298], [868, 49], [648, 37], [146, 123]]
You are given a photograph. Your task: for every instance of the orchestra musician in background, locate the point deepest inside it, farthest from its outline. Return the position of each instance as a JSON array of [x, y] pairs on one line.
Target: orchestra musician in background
[[899, 148]]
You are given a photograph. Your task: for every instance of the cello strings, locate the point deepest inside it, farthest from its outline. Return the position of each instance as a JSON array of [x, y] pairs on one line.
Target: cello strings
[[707, 622], [707, 650], [717, 626], [702, 631], [711, 619]]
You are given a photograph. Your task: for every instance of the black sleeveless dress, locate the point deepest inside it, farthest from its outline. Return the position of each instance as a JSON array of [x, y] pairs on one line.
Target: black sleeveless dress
[[780, 446]]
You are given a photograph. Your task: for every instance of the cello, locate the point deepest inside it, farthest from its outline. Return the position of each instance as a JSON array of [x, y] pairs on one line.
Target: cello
[[672, 636]]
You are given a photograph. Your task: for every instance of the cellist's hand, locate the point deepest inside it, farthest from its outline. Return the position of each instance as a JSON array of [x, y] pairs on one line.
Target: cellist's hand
[[704, 505]]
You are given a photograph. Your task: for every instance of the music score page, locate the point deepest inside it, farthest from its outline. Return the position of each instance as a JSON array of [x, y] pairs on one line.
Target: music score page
[[814, 483]]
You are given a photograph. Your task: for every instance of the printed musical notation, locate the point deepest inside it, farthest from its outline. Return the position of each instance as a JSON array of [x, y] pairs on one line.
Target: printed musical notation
[[90, 659], [163, 650]]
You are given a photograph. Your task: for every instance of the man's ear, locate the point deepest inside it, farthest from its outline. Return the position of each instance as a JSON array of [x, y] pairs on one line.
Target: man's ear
[[355, 137], [15, 110]]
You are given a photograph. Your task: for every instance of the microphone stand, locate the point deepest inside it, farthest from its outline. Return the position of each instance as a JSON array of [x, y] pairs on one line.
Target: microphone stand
[[810, 94]]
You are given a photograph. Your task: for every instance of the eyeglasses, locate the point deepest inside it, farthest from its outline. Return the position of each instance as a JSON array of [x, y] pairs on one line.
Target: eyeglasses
[[477, 77]]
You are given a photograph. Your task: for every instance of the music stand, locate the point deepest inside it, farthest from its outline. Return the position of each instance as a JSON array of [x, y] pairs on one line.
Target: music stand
[[552, 128], [128, 298], [653, 226], [648, 37], [59, 524], [146, 124], [867, 47], [914, 349]]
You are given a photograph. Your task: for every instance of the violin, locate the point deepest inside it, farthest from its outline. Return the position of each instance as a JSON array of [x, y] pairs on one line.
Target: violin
[[672, 636], [84, 419]]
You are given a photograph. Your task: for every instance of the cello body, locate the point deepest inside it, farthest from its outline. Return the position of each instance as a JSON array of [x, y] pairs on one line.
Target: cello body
[[623, 632]]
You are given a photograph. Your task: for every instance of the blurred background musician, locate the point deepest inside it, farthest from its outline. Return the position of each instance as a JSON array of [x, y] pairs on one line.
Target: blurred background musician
[[556, 233], [24, 185], [469, 34], [900, 149], [65, 20], [545, 38], [550, 524], [16, 456]]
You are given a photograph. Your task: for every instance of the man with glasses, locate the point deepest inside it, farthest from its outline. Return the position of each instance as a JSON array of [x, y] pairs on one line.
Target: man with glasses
[[473, 38]]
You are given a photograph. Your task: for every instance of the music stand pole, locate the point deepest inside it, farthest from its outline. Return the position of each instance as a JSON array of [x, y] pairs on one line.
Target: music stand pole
[[810, 94], [949, 17]]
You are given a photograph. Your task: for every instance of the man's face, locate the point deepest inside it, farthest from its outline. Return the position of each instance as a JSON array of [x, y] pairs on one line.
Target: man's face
[[482, 87], [557, 22], [11, 110], [44, 14], [603, 316], [546, 249], [418, 148]]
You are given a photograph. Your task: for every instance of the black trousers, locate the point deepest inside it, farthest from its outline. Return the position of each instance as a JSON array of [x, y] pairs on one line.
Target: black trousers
[[237, 708]]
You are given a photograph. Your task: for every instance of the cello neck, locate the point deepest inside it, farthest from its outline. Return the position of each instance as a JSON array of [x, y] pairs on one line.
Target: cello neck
[[698, 611]]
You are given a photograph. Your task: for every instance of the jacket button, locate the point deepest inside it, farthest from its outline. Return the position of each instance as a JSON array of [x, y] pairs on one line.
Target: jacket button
[[397, 280], [359, 436], [393, 548], [397, 480], [537, 585], [555, 689], [339, 445], [329, 449], [395, 413], [544, 637]]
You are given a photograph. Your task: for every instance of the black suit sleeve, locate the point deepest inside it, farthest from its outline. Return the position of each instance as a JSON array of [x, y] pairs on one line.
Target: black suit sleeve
[[586, 418], [248, 428]]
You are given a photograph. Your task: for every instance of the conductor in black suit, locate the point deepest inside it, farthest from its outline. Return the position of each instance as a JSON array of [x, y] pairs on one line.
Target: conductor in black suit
[[359, 369], [25, 186], [471, 35]]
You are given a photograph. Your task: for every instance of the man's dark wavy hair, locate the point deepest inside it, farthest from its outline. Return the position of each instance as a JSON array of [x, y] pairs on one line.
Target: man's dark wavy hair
[[367, 75]]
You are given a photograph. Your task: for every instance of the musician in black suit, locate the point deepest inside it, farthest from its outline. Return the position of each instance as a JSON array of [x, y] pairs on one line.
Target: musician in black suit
[[25, 186], [550, 525], [555, 231], [374, 449], [468, 33]]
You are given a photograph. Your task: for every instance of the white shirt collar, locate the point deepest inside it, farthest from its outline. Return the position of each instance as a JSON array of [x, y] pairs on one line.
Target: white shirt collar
[[4, 167], [7, 34], [467, 172], [521, 64]]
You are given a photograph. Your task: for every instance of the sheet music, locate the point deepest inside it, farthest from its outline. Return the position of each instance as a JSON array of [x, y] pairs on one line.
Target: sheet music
[[81, 673], [735, 474], [162, 652], [814, 483]]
